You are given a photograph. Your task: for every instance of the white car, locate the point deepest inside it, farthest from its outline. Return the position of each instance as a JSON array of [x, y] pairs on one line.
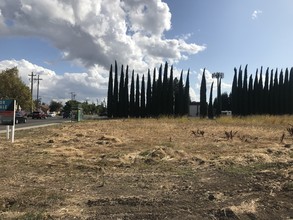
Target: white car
[[51, 114]]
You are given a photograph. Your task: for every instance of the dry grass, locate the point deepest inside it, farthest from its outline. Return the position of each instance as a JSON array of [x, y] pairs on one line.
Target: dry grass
[[55, 173]]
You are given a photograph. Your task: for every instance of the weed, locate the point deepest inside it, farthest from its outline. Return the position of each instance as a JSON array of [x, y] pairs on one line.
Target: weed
[[31, 216]]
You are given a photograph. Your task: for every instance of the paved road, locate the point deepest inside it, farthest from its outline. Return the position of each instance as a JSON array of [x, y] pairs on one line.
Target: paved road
[[35, 123]]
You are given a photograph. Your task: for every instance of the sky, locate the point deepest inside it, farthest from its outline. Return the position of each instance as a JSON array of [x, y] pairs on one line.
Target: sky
[[72, 43]]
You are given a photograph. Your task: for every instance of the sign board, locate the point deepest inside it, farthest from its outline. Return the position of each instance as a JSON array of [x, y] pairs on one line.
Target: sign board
[[7, 109], [7, 115]]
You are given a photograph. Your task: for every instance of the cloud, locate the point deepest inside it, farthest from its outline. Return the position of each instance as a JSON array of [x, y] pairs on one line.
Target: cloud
[[97, 32], [256, 14], [93, 33]]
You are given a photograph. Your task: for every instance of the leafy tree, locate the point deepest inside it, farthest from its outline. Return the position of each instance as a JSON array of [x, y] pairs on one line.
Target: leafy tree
[[55, 106], [69, 105], [12, 87]]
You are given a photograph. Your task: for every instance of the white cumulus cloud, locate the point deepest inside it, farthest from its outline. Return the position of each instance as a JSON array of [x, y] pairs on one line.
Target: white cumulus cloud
[[94, 33]]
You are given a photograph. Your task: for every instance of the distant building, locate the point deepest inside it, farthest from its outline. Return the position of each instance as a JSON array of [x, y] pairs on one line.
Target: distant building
[[194, 109]]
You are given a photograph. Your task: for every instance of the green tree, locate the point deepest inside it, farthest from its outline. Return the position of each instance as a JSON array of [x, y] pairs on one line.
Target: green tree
[[55, 106], [121, 102], [149, 95], [186, 96], [171, 93], [115, 94], [126, 94], [142, 98], [110, 94], [203, 96], [132, 97], [235, 94], [137, 94], [210, 108], [69, 105], [12, 87]]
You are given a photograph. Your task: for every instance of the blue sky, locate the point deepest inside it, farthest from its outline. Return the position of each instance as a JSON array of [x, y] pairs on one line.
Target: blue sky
[[71, 45]]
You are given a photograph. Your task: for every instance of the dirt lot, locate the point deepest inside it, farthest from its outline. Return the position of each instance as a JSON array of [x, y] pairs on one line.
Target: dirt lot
[[150, 169]]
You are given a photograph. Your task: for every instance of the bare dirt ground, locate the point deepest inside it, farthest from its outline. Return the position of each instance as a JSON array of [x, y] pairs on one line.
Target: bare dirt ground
[[150, 169]]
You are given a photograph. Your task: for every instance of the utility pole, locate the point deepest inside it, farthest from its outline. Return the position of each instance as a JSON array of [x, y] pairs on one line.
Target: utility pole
[[32, 86], [219, 77], [73, 95], [38, 87]]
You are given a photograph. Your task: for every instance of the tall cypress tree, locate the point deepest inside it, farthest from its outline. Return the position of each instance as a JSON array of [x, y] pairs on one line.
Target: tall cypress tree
[[149, 95], [164, 99], [234, 94], [239, 92], [186, 95], [291, 91], [271, 93], [245, 93], [132, 97], [154, 103], [260, 93], [142, 98], [170, 94], [203, 98], [137, 94], [159, 91], [276, 93], [281, 93], [121, 102], [266, 93], [116, 97], [180, 96], [255, 94], [126, 98], [110, 94], [210, 108], [250, 96], [286, 93]]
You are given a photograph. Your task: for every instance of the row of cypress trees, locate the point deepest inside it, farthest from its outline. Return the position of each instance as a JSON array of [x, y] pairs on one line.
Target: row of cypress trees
[[162, 95], [269, 94]]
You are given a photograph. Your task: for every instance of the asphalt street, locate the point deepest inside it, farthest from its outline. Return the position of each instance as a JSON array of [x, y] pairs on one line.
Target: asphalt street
[[34, 123]]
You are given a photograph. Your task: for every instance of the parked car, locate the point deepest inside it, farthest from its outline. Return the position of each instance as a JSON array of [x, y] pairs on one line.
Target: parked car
[[39, 115], [20, 118], [51, 114]]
